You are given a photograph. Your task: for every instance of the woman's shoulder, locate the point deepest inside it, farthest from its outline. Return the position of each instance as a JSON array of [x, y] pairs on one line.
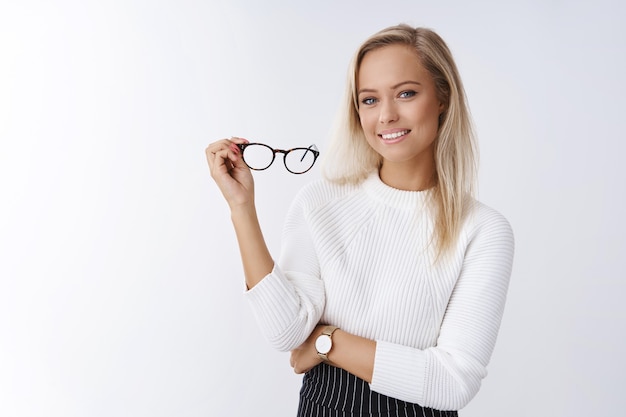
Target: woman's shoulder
[[486, 219]]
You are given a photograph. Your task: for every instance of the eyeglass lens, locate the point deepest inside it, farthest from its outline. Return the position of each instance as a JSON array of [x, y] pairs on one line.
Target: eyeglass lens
[[299, 160], [258, 156]]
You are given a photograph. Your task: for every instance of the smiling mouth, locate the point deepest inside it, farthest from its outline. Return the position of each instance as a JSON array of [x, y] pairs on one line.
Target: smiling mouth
[[395, 135]]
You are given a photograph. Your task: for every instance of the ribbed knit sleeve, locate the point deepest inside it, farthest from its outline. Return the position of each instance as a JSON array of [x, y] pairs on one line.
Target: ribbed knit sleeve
[[448, 375], [289, 302]]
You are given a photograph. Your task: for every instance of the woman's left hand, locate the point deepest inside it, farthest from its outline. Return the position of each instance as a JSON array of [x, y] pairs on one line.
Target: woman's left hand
[[305, 357]]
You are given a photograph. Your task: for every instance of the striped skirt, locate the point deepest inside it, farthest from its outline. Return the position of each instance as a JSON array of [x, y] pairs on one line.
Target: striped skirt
[[332, 392]]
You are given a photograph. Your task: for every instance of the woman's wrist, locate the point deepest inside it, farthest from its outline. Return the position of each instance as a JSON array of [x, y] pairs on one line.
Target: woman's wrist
[[242, 211], [353, 353]]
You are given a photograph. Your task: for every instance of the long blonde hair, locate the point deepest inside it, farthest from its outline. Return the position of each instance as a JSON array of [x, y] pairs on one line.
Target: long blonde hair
[[350, 159]]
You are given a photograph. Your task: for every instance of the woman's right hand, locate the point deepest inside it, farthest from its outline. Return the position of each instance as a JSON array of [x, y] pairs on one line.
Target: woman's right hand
[[230, 172]]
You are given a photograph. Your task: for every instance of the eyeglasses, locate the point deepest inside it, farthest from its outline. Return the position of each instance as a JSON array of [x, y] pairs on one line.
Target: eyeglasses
[[259, 156]]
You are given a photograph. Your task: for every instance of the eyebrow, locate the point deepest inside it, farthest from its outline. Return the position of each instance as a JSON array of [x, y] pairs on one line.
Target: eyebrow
[[370, 90]]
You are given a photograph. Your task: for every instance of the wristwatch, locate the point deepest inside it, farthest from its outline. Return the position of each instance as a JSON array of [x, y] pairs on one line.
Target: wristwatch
[[324, 342]]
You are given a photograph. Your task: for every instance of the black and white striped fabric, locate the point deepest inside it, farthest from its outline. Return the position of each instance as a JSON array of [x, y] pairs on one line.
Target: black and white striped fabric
[[328, 391]]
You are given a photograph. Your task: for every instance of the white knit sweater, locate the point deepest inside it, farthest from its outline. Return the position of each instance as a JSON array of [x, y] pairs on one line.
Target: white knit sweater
[[358, 257]]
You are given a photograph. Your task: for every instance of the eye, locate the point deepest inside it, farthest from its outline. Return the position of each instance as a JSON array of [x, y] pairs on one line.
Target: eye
[[407, 94], [368, 101]]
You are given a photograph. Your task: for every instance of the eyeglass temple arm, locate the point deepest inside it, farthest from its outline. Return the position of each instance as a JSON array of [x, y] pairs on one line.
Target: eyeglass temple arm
[[310, 148]]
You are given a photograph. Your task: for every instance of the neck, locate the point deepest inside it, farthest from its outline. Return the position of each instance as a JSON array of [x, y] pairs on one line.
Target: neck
[[408, 176]]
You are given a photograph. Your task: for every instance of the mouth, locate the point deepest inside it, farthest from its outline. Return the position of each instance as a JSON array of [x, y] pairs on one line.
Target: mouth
[[393, 135]]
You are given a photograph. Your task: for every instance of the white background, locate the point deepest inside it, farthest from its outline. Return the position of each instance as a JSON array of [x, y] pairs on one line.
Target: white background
[[120, 280]]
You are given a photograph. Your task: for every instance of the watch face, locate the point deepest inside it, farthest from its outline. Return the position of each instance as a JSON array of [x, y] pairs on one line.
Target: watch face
[[323, 344]]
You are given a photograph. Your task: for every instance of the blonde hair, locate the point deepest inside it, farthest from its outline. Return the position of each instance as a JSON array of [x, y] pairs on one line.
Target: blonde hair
[[350, 159]]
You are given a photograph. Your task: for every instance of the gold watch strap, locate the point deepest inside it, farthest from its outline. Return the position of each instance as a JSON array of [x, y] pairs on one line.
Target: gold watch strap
[[328, 330]]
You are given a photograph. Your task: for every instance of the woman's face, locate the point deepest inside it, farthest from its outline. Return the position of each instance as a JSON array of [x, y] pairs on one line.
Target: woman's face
[[398, 107]]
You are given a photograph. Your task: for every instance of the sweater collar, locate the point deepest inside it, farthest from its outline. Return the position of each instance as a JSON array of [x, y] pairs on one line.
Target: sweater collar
[[393, 197]]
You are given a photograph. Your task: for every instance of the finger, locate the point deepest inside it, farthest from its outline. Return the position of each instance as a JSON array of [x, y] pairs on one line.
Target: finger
[[236, 158], [238, 140], [220, 150], [220, 144], [221, 161], [215, 147], [211, 155]]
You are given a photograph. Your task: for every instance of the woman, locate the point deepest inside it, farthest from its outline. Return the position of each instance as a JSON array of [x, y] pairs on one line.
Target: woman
[[391, 285]]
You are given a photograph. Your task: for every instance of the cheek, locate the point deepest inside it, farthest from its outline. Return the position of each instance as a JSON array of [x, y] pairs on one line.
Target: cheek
[[429, 116], [368, 127], [368, 121]]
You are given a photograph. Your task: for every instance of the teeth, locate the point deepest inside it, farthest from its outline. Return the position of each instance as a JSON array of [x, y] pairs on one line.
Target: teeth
[[394, 135]]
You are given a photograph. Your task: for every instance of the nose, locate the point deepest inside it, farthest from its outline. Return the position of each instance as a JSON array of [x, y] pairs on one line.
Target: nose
[[388, 112]]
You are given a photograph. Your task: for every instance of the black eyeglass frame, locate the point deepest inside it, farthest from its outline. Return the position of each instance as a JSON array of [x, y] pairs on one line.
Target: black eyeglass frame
[[312, 148]]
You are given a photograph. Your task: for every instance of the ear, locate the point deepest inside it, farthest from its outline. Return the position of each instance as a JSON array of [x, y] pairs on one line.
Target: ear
[[442, 110]]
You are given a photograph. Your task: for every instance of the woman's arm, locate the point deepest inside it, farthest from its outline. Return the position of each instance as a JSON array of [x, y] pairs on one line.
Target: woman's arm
[[235, 181], [352, 353], [289, 301]]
